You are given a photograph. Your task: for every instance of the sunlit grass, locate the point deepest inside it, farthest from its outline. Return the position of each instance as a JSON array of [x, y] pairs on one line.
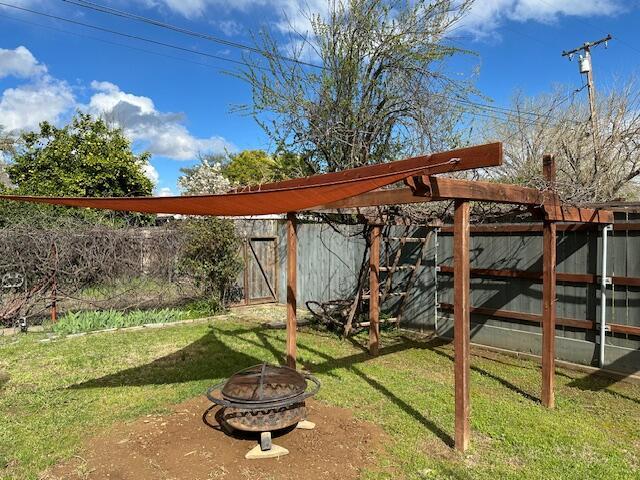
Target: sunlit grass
[[53, 395]]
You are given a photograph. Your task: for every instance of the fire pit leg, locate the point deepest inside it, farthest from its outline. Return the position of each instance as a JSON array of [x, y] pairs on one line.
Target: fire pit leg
[[265, 441], [266, 449]]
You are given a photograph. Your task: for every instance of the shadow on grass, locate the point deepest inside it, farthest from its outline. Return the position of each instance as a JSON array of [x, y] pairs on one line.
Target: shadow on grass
[[599, 381], [211, 358], [208, 358]]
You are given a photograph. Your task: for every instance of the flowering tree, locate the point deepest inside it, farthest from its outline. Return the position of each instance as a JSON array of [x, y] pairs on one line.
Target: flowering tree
[[204, 178]]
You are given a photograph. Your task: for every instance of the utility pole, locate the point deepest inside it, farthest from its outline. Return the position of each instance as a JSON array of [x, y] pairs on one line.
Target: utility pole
[[586, 67]]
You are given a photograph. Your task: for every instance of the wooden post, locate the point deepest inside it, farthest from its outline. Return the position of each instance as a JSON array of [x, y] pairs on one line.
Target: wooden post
[[292, 266], [374, 291], [461, 328], [548, 295]]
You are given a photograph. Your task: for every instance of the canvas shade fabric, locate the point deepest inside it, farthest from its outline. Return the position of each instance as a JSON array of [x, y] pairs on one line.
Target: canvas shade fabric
[[290, 195]]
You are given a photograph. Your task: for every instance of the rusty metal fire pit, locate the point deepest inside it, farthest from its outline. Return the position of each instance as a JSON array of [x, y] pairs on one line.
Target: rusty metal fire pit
[[264, 398]]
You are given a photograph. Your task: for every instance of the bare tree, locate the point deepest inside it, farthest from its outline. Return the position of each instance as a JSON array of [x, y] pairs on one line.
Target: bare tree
[[378, 91], [589, 169]]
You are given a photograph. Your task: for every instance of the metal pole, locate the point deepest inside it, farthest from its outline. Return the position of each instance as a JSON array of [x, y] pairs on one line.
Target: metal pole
[[604, 281], [592, 106], [587, 67]]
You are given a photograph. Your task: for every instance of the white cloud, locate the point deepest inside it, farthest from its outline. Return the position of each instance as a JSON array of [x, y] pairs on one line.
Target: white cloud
[[42, 98], [20, 63], [165, 192], [109, 95], [228, 27], [151, 173], [25, 106], [487, 15], [160, 133]]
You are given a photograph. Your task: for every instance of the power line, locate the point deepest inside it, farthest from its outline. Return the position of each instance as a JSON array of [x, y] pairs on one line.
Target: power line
[[228, 43], [109, 42], [483, 107], [127, 35]]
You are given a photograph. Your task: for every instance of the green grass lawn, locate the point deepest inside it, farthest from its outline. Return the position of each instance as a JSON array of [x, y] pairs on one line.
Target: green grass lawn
[[53, 395]]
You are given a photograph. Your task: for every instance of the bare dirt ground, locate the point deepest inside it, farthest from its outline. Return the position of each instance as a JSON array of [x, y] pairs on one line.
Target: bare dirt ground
[[189, 444]]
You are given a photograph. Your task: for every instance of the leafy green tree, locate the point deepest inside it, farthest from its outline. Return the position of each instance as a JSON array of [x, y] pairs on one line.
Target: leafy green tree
[[249, 167], [290, 165], [253, 167], [84, 158]]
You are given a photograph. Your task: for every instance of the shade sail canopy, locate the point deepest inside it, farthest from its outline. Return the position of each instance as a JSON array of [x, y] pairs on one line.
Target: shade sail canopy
[[291, 195]]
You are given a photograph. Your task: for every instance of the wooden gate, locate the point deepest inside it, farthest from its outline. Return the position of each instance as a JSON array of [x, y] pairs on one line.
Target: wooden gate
[[259, 278]]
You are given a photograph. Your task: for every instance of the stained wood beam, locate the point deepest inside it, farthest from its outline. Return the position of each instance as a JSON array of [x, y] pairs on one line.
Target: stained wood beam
[[566, 213], [549, 241], [292, 276], [442, 188], [526, 317], [548, 314], [374, 291], [423, 188], [589, 278], [461, 328]]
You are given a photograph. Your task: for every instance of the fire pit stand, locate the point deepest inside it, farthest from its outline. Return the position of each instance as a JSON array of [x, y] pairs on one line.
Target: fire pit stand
[[264, 398]]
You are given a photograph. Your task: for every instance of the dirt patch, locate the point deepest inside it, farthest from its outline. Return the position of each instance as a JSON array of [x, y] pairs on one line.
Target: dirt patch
[[181, 445]]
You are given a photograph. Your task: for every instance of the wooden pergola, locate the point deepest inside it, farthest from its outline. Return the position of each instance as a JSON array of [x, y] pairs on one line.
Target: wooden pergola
[[427, 188], [360, 187]]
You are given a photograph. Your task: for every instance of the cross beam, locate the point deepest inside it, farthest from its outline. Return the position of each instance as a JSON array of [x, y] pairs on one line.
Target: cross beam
[[423, 188]]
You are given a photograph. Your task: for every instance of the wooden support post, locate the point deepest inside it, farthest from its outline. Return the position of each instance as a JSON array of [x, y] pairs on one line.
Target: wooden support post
[[461, 328], [292, 267], [548, 296], [374, 291]]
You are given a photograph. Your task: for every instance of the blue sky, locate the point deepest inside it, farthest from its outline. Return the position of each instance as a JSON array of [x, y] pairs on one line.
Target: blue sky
[[175, 107]]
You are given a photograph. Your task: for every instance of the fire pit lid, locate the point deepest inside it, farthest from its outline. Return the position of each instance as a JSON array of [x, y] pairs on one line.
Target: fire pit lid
[[264, 382]]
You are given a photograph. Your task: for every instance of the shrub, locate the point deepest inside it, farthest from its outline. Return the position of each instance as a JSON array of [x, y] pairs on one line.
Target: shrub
[[211, 256]]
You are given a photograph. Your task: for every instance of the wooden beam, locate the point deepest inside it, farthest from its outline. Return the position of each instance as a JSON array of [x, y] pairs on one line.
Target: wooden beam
[[549, 170], [537, 318], [525, 317], [565, 213], [442, 188], [461, 330], [292, 276], [502, 228], [424, 188], [374, 291], [588, 278], [549, 240]]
